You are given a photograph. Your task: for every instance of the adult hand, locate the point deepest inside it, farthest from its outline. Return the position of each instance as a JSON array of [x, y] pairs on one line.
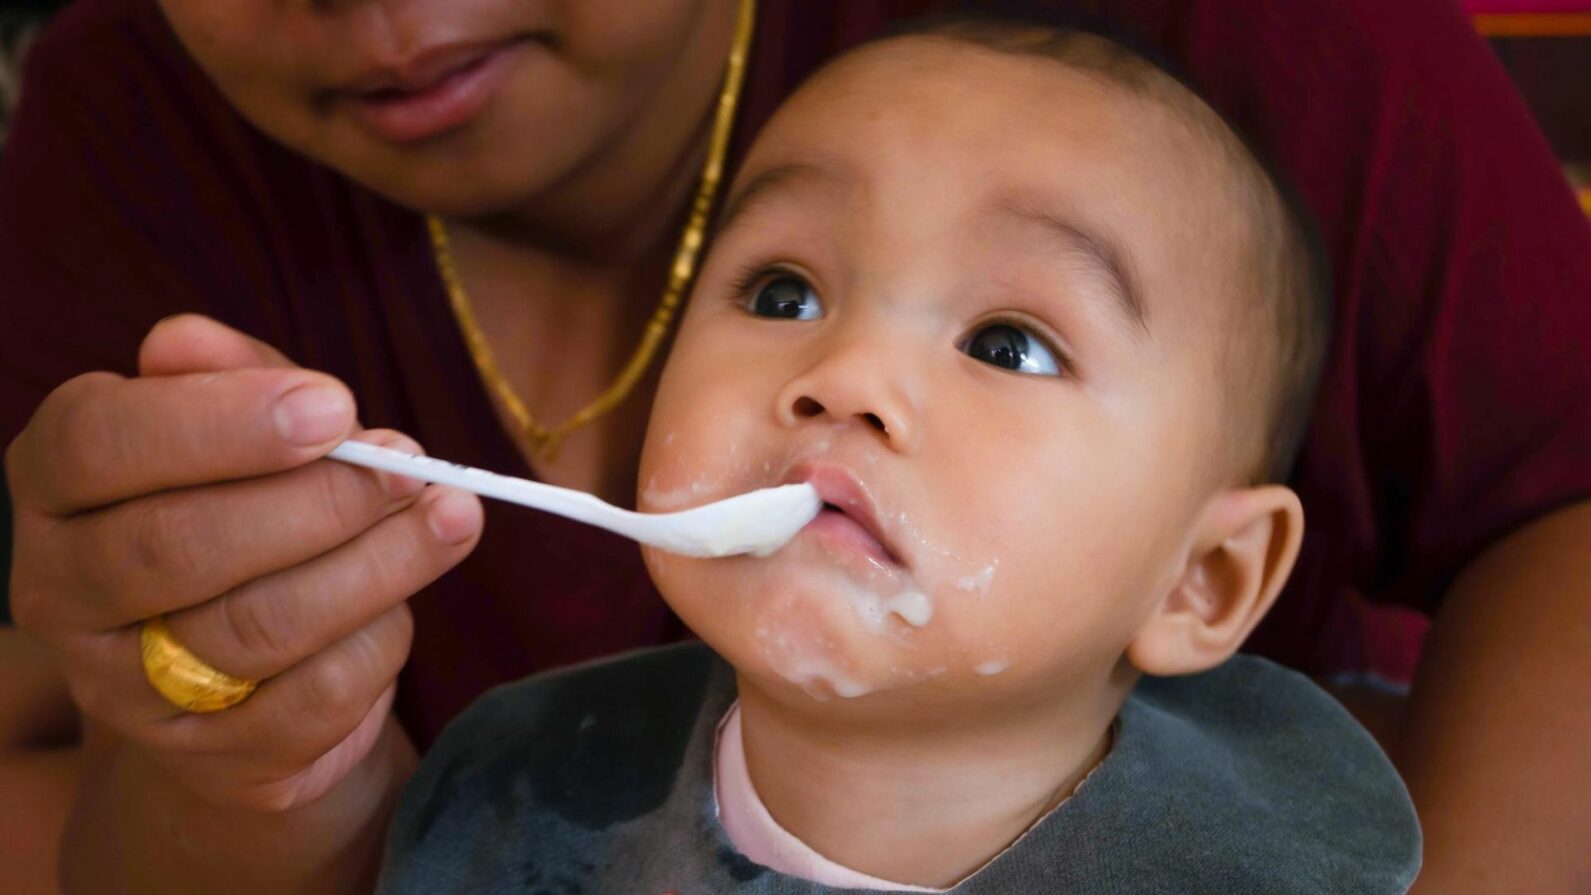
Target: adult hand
[[196, 491]]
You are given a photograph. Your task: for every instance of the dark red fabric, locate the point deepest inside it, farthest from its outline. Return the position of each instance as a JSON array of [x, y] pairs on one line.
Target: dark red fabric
[[1457, 403], [1455, 407]]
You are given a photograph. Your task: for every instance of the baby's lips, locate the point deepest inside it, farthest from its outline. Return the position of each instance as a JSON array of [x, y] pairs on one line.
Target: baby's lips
[[841, 490]]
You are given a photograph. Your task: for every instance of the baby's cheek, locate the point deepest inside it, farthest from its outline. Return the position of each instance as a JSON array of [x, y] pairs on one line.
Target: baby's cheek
[[971, 634], [687, 465], [1016, 615], [669, 571], [666, 475]]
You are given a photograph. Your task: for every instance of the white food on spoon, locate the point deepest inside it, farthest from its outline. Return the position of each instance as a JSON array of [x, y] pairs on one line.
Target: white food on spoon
[[757, 522]]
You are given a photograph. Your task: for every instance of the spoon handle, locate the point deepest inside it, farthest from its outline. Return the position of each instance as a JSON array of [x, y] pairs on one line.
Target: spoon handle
[[757, 522], [577, 505]]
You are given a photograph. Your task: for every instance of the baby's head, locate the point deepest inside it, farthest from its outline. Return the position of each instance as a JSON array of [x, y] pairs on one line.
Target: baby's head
[[1041, 331]]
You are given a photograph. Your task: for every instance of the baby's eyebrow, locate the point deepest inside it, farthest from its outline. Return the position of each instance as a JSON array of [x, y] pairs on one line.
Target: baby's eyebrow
[[776, 180], [1096, 248]]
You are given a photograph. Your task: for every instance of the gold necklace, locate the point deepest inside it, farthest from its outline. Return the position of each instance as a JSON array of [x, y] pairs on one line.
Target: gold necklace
[[545, 440]]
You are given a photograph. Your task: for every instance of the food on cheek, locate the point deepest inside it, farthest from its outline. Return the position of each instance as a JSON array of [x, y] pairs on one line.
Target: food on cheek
[[992, 667], [830, 617], [978, 583]]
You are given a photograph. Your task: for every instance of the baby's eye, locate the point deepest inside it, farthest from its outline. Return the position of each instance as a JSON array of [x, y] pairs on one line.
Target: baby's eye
[[787, 298], [1009, 347]]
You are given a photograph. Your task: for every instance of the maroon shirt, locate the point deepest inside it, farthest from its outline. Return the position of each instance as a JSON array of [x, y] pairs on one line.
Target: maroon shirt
[[1454, 408]]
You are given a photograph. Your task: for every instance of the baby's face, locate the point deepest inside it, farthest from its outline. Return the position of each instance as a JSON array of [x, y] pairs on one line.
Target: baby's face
[[976, 299]]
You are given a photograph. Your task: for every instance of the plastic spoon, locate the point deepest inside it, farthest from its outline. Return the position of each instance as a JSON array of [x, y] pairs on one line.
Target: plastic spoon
[[757, 522]]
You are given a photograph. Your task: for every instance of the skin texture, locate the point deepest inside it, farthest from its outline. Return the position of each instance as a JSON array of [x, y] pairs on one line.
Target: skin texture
[[38, 766], [1494, 743], [1068, 531]]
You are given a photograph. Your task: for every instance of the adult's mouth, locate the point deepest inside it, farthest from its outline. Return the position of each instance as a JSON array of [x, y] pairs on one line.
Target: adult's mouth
[[848, 519], [432, 91]]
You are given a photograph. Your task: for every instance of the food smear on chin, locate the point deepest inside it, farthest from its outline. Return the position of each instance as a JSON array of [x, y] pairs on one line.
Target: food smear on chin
[[816, 674], [992, 667], [911, 606], [813, 675]]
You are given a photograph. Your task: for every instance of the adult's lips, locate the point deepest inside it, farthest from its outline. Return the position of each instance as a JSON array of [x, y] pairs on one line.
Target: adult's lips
[[848, 518], [422, 68], [432, 91]]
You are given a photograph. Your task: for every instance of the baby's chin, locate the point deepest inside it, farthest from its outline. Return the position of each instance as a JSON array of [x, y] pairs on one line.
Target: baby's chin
[[835, 625], [826, 637]]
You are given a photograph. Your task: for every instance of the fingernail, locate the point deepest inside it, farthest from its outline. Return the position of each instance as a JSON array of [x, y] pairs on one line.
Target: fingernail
[[453, 517], [312, 414]]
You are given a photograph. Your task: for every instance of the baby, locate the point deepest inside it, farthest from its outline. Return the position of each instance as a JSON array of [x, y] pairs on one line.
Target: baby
[[1043, 334]]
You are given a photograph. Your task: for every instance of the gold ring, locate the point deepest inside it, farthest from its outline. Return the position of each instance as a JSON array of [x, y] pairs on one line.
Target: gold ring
[[187, 681]]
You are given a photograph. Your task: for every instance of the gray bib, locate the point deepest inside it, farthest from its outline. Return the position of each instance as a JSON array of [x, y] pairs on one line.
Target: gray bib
[[598, 779]]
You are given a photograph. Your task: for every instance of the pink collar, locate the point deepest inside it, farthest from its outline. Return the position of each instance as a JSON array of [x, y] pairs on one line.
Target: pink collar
[[759, 837]]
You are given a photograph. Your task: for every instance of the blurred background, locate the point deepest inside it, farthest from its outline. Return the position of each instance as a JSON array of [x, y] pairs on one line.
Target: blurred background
[[1546, 47]]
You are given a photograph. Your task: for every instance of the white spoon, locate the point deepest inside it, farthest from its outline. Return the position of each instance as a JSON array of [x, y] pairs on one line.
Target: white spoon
[[757, 522]]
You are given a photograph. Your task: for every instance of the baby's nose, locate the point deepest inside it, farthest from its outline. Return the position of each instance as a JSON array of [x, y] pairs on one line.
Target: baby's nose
[[808, 408], [850, 389]]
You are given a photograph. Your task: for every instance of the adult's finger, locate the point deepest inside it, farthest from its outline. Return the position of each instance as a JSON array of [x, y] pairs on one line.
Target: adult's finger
[[101, 438], [194, 343], [332, 766], [289, 721], [173, 549], [104, 674], [275, 622], [256, 750], [315, 705]]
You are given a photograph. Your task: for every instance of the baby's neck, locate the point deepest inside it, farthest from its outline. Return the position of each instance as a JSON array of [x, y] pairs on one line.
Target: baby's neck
[[925, 808]]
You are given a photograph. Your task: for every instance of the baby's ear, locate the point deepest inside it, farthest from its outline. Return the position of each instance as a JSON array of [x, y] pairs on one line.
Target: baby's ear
[[1242, 551]]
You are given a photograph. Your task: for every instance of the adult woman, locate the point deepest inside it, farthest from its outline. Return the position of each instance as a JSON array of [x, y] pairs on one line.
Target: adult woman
[[231, 522]]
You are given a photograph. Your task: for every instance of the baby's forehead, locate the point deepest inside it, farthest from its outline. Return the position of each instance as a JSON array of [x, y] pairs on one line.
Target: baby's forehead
[[926, 80], [926, 126], [1086, 78], [932, 102]]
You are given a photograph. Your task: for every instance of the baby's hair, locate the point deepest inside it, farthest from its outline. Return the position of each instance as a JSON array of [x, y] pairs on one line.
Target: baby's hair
[[1288, 264]]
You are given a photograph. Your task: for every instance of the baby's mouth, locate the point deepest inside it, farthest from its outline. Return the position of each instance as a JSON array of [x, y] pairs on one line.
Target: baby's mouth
[[848, 519]]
